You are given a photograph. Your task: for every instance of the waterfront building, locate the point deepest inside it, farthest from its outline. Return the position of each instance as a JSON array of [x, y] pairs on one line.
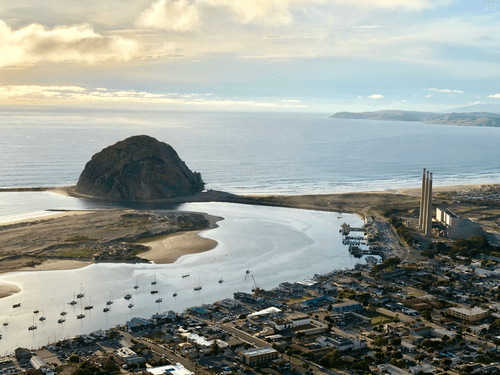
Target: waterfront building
[[470, 315]]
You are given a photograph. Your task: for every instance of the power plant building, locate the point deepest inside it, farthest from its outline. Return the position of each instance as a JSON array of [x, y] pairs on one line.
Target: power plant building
[[456, 227]]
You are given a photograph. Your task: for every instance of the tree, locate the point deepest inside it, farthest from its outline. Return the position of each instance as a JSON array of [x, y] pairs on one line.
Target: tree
[[420, 357]]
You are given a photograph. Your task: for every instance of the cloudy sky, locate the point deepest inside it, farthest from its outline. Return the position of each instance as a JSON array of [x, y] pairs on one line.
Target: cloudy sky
[[278, 55]]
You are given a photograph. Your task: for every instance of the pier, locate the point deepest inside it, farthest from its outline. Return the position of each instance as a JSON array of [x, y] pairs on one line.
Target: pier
[[355, 241]]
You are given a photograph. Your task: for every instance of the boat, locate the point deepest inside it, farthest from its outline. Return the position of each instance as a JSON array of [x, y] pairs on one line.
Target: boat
[[221, 280], [130, 305], [159, 300], [197, 287], [36, 311], [62, 313], [72, 303], [61, 320], [185, 275], [16, 305], [106, 309], [127, 296], [175, 294], [32, 327], [6, 323], [154, 281], [154, 291], [89, 306], [80, 316], [136, 286], [42, 318], [81, 294], [110, 302]]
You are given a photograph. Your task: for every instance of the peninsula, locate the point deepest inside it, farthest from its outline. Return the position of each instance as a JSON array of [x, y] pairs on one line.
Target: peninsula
[[463, 119]]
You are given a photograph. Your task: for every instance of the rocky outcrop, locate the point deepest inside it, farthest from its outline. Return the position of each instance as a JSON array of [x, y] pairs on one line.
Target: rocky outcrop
[[138, 168]]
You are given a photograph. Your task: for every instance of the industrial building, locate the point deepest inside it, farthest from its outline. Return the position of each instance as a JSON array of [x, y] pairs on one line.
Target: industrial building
[[456, 227], [425, 216]]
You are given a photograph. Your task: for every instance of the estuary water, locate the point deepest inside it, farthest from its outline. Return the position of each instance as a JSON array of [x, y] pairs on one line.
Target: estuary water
[[274, 244], [258, 153]]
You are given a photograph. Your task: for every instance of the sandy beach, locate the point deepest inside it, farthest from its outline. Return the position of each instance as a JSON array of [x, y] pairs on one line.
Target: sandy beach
[[7, 290]]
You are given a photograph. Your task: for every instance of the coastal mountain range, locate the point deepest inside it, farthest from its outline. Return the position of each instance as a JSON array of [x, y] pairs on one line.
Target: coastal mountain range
[[464, 119]]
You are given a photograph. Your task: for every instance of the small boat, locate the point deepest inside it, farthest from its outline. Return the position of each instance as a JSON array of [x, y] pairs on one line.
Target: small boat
[[33, 326], [130, 305], [185, 275], [6, 323], [136, 286], [247, 272], [89, 306], [127, 296], [154, 281], [42, 318], [36, 311], [159, 300], [221, 280], [175, 294], [62, 313], [61, 320], [110, 302], [198, 287], [81, 294], [80, 316], [72, 303], [16, 305], [106, 309], [154, 291]]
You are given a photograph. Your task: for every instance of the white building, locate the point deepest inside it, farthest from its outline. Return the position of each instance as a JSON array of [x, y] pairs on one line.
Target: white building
[[129, 356], [39, 364], [456, 226]]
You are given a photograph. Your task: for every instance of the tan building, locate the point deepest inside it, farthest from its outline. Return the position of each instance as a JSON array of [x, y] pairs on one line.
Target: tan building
[[253, 357], [456, 226], [470, 315]]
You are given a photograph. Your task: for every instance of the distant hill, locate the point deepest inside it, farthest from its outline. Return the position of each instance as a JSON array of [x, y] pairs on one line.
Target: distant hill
[[486, 107], [464, 119]]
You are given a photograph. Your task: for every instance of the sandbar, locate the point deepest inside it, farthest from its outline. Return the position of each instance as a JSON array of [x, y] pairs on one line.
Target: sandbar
[[7, 290]]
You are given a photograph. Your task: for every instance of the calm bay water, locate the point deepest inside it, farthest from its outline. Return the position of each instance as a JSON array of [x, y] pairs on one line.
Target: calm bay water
[[253, 153]]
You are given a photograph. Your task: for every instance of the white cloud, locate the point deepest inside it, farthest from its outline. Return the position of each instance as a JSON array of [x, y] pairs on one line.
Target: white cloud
[[447, 91], [494, 96], [33, 44], [377, 96], [180, 15], [290, 101], [57, 95]]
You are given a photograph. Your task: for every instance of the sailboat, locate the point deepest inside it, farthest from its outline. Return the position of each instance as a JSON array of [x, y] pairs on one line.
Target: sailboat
[[72, 303], [136, 286], [89, 306], [36, 311], [159, 300], [198, 287], [154, 281], [81, 294], [221, 280], [62, 313], [110, 302], [175, 294], [130, 305], [61, 320], [6, 323], [106, 309], [81, 315], [42, 318], [32, 327]]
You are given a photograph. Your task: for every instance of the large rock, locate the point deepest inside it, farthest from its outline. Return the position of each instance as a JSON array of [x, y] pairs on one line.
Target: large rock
[[138, 168]]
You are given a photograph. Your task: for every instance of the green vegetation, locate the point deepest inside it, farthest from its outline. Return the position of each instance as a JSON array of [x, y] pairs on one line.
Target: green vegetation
[[402, 231], [387, 265], [381, 319], [79, 239], [469, 248]]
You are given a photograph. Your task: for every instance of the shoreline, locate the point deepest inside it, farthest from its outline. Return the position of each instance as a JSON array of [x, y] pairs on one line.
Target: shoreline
[[170, 248]]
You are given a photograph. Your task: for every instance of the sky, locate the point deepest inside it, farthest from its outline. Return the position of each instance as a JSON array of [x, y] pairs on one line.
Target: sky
[[250, 55]]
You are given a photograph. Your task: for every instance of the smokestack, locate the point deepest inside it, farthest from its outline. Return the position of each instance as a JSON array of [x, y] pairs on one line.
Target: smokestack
[[425, 203], [428, 226], [421, 213]]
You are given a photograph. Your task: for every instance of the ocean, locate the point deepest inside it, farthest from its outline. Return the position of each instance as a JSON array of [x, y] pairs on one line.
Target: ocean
[[253, 153]]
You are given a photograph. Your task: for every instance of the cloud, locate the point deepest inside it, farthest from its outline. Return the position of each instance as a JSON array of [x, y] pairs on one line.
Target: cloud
[[71, 95], [448, 91], [494, 96], [377, 96], [170, 15], [290, 101], [34, 44]]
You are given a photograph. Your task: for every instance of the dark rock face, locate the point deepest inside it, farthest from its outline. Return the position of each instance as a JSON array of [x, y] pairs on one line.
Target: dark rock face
[[138, 168]]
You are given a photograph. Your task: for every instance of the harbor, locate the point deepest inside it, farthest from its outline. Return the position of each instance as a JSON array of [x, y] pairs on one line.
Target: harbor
[[358, 244]]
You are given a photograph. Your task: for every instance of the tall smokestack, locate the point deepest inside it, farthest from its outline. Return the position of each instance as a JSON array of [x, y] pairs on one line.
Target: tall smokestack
[[428, 226], [425, 204], [421, 213]]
